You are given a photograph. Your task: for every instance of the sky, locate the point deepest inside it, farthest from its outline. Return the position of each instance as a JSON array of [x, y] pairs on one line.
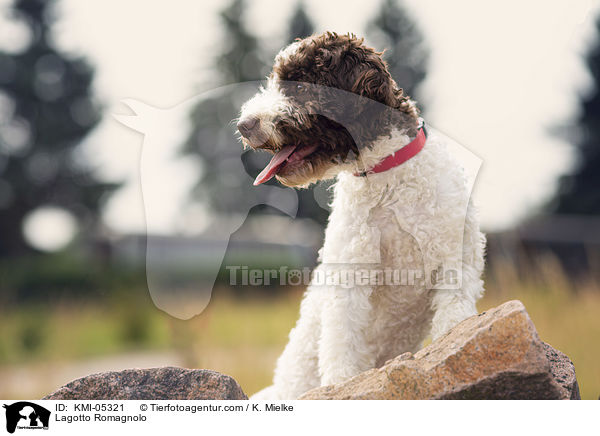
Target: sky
[[502, 75]]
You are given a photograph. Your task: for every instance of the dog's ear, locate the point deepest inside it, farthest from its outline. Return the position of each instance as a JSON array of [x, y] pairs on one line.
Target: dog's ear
[[373, 112], [372, 78], [387, 105], [375, 84]]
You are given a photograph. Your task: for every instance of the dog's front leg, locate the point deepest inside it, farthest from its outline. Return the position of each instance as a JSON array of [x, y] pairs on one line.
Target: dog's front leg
[[452, 306], [450, 309], [297, 368], [344, 348]]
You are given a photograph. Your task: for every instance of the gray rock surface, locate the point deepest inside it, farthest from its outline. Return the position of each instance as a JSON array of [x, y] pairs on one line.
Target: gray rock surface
[[168, 383], [563, 372]]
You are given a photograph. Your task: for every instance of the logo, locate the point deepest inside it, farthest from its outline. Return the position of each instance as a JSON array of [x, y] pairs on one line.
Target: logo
[[26, 415]]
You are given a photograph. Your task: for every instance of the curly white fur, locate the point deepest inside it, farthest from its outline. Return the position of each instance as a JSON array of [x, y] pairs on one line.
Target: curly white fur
[[414, 217]]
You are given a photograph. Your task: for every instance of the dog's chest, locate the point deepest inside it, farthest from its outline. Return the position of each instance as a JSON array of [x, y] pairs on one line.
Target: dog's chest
[[367, 235], [362, 229]]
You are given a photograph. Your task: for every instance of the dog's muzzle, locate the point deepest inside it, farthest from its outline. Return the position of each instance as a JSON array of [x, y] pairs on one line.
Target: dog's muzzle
[[248, 126]]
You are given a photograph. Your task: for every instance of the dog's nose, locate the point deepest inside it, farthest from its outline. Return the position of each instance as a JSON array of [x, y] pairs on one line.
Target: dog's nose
[[247, 126]]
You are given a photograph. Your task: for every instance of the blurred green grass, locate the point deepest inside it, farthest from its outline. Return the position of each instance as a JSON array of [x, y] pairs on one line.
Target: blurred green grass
[[68, 332], [242, 336]]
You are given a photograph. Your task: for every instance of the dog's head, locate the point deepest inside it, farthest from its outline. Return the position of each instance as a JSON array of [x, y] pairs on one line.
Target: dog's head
[[327, 97]]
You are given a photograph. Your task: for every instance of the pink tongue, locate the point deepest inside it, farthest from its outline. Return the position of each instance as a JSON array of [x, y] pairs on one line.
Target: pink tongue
[[273, 166]]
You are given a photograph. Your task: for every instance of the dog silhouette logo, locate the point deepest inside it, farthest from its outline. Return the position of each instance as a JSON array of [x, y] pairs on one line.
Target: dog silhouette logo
[[26, 415]]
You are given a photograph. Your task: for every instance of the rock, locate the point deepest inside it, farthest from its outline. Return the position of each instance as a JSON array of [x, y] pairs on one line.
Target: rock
[[563, 372], [494, 355], [168, 383]]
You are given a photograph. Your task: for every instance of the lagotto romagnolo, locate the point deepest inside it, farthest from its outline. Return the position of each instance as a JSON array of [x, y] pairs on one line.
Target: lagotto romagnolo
[[401, 204]]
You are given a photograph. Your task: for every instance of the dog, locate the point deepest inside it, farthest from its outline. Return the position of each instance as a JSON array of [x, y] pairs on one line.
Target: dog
[[400, 209]]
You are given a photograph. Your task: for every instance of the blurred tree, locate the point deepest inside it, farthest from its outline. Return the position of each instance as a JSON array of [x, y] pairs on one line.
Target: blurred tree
[[45, 111], [300, 25], [240, 59], [213, 137], [579, 192], [394, 30]]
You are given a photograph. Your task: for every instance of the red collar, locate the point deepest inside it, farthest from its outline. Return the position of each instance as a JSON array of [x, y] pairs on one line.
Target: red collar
[[400, 156]]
